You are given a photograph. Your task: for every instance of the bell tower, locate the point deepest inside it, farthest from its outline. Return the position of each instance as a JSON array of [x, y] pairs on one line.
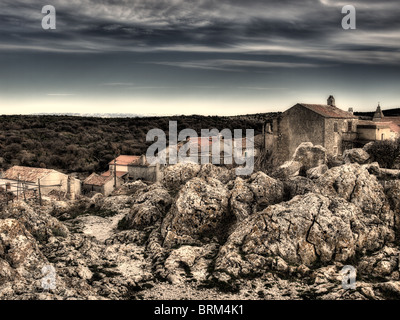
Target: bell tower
[[331, 101], [378, 115]]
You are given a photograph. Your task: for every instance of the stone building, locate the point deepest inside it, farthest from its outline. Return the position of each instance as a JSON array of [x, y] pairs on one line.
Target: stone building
[[19, 178], [133, 168], [324, 125], [99, 184]]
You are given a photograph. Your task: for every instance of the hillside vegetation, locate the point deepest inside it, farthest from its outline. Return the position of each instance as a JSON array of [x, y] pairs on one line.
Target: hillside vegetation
[[86, 144]]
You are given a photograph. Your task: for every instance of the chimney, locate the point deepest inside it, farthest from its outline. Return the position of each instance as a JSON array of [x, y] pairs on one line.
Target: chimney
[[351, 110], [331, 101]]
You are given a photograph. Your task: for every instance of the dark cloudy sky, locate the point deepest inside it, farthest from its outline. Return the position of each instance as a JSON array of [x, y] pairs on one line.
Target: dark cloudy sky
[[197, 56]]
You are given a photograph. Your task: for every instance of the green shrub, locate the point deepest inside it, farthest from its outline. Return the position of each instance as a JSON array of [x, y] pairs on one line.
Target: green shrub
[[384, 152]]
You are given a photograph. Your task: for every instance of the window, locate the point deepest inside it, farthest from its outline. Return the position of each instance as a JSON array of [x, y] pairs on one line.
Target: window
[[349, 126], [335, 127], [383, 136]]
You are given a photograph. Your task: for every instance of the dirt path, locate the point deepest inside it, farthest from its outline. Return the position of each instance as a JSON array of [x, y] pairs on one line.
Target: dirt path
[[98, 227]]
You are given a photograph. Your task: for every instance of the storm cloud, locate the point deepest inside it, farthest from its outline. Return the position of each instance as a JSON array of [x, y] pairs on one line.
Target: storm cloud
[[226, 37]]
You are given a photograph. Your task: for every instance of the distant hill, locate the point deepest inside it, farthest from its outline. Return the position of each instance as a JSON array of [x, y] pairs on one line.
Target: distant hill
[[73, 143], [389, 113]]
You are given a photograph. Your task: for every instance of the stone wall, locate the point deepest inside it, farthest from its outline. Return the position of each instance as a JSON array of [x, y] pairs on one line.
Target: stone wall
[[147, 173], [296, 125]]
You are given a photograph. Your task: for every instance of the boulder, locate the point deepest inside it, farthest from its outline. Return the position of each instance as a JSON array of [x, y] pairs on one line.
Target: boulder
[[18, 248], [306, 230], [355, 184], [356, 155], [200, 211], [220, 173], [37, 221], [266, 190], [177, 175], [150, 205], [297, 186], [316, 172], [288, 169], [242, 200], [310, 156]]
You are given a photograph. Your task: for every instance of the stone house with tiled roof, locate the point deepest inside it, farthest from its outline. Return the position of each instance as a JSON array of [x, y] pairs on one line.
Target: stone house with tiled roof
[[133, 167], [324, 125], [99, 184], [28, 178]]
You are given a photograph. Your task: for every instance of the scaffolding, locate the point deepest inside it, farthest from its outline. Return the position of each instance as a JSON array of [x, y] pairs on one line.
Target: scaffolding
[[24, 190]]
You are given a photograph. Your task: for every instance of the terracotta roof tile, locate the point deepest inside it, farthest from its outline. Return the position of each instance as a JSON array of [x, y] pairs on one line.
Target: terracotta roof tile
[[27, 174], [328, 111], [109, 173], [125, 160], [96, 180]]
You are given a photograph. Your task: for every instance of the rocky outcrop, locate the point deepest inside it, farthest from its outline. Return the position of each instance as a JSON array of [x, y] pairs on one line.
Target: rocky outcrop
[[288, 169], [316, 172], [242, 200], [306, 230], [149, 206], [297, 186], [356, 155], [310, 156], [200, 213], [257, 237], [177, 175], [38, 222], [356, 185], [266, 190]]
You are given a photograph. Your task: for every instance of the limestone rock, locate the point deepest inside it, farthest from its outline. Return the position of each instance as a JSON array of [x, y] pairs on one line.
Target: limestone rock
[[353, 183], [242, 200], [356, 155], [298, 186], [220, 173], [383, 264], [130, 188], [316, 172], [148, 207], [200, 211], [310, 156], [37, 221], [266, 190], [305, 230], [177, 175], [288, 169], [18, 248], [188, 263]]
